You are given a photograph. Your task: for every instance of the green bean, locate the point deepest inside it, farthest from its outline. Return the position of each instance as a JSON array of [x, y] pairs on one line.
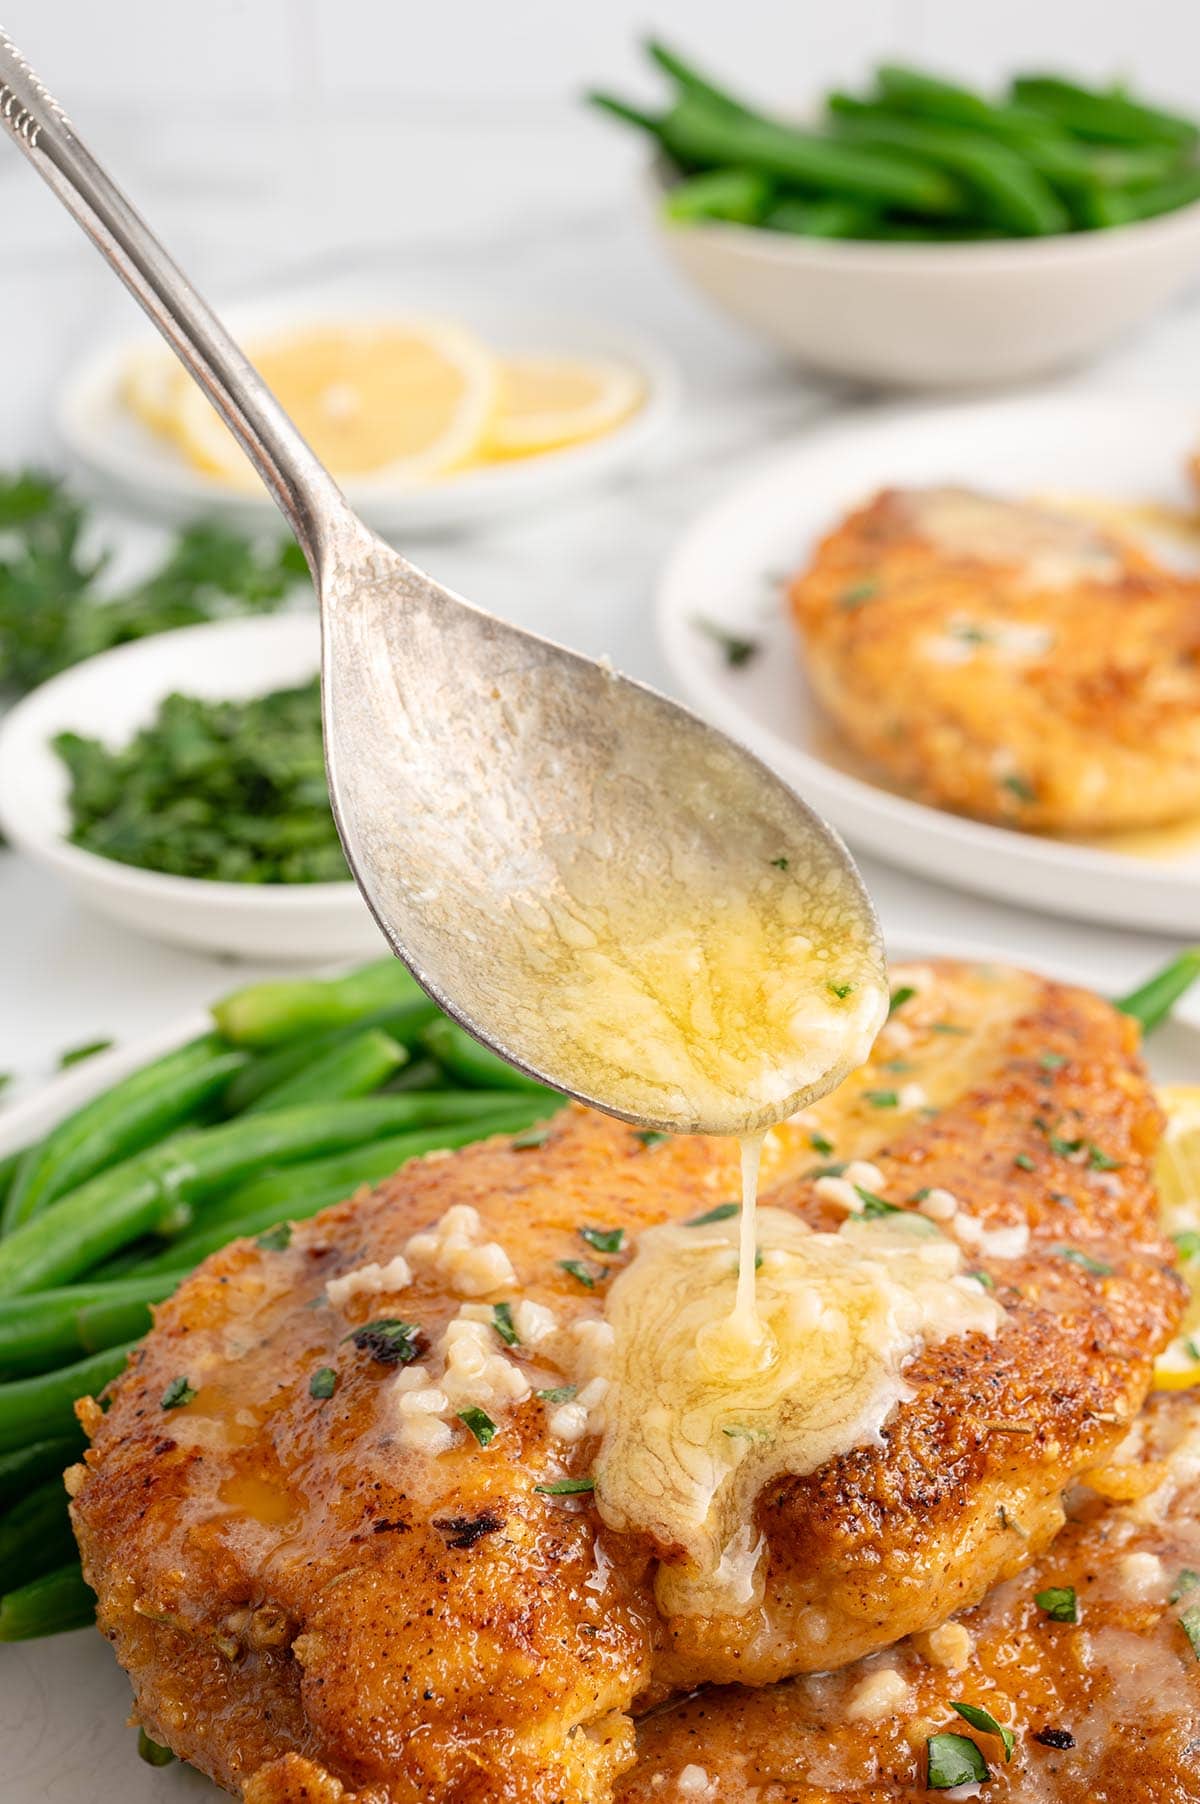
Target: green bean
[[465, 1059], [27, 1466], [912, 90], [266, 1013], [9, 1166], [737, 195], [53, 1327], [1107, 117], [267, 1070], [61, 1600], [1125, 206], [701, 136], [821, 218], [34, 1408], [357, 1068], [1152, 1001], [421, 1074], [1079, 172], [1010, 192], [700, 87], [133, 1114], [304, 1190], [35, 1535], [155, 1191]]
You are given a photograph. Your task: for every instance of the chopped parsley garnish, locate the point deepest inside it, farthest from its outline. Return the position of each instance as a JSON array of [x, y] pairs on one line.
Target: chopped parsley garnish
[[1187, 1244], [480, 1424], [882, 1099], [1064, 1148], [567, 1487], [1052, 1061], [857, 593], [559, 1393], [323, 1383], [177, 1393], [820, 1144], [1025, 1162], [502, 1322], [780, 864], [983, 1720], [873, 1205], [840, 990], [584, 1274], [1021, 788], [1099, 1160], [650, 1136], [604, 1240], [1189, 1622], [275, 1239], [391, 1342], [899, 997], [1077, 1256], [75, 1055], [722, 1212], [1058, 1602], [954, 1760], [949, 1027], [833, 1170], [1187, 1581], [738, 1431], [984, 1278], [534, 1136], [737, 649]]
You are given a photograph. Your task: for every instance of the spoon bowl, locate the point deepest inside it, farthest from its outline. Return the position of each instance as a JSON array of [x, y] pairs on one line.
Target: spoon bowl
[[511, 808]]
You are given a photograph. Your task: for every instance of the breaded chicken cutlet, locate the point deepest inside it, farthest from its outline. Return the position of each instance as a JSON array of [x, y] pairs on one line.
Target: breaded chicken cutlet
[[1099, 1682], [1006, 661], [317, 1579]]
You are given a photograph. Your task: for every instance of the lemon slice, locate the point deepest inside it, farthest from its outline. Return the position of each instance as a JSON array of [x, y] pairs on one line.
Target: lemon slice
[[1178, 1175], [548, 402], [400, 401], [150, 387]]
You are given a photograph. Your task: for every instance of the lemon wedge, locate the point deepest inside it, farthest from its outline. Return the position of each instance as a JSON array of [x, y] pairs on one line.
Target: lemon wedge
[[1178, 1176], [398, 400], [546, 403]]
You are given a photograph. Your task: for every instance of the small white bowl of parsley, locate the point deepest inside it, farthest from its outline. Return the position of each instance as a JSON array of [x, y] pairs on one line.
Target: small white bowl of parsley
[[177, 785]]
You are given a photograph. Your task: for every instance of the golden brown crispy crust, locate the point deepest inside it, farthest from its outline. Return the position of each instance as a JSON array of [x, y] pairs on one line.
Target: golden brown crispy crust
[[280, 1577], [1120, 1688], [1072, 708]]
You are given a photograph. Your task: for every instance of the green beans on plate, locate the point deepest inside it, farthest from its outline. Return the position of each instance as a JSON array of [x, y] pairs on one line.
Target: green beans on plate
[[50, 1605], [918, 157]]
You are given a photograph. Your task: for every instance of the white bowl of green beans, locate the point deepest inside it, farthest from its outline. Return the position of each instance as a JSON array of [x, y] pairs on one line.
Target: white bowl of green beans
[[118, 766], [924, 235]]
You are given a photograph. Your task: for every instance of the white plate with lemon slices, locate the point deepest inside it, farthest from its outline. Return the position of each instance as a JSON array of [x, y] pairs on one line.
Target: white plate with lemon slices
[[425, 421]]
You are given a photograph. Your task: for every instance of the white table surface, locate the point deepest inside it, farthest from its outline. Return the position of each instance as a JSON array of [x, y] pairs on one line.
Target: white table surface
[[536, 207]]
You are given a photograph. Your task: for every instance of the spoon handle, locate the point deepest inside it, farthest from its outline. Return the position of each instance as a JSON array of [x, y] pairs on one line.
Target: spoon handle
[[300, 485]]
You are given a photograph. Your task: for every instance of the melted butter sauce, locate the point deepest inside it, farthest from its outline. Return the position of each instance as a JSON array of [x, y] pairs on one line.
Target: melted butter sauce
[[707, 1405], [722, 1013]]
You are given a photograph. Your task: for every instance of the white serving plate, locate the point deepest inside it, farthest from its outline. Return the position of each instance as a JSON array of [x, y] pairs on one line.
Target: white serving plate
[[134, 466], [109, 697], [727, 567], [64, 1702]]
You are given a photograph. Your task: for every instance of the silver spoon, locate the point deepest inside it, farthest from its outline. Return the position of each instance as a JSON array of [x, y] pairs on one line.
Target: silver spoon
[[541, 840]]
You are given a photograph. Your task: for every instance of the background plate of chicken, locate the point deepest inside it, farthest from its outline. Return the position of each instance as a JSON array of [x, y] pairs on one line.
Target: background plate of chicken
[[970, 635]]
